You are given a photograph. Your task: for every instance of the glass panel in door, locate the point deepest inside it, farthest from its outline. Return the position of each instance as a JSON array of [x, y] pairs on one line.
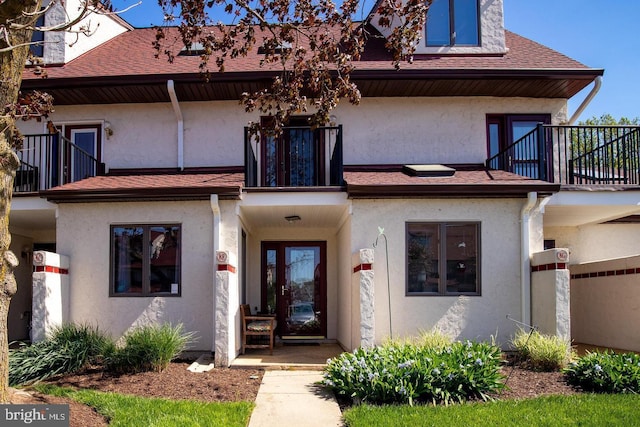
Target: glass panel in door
[[294, 284], [301, 294]]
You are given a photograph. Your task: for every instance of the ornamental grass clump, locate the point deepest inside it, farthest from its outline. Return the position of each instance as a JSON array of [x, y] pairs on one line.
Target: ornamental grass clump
[[542, 352], [607, 372], [70, 348], [150, 348], [409, 373]]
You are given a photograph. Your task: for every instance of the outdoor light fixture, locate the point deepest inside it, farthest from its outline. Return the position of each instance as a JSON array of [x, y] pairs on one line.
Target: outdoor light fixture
[[292, 218], [107, 129]]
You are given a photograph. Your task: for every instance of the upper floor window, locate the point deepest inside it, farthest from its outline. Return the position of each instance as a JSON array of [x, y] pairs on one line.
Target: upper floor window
[[37, 49], [453, 23]]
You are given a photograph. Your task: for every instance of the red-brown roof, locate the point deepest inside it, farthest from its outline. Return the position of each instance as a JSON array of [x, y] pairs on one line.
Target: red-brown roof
[[159, 186], [124, 69], [360, 182], [464, 183]]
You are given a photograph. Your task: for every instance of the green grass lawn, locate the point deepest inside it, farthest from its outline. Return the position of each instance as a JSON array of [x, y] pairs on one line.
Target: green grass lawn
[[131, 411], [577, 410]]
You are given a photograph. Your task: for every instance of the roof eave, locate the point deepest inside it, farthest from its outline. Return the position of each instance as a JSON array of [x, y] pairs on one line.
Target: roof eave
[[140, 194], [450, 190]]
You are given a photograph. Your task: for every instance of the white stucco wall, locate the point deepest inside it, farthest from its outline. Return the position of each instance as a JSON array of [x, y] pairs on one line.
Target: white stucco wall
[[491, 33], [472, 317], [595, 242], [432, 130], [83, 235], [61, 47], [347, 308]]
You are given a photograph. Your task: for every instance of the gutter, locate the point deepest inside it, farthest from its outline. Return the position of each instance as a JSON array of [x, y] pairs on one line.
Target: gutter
[[597, 83], [176, 109], [525, 254]]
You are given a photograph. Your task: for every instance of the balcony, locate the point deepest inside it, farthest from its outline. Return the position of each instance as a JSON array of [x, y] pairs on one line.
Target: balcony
[[300, 157], [50, 160], [575, 155]]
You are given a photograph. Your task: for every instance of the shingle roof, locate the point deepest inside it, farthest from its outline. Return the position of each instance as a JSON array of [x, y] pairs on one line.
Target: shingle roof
[[377, 182], [131, 54], [477, 182], [159, 186], [124, 69]]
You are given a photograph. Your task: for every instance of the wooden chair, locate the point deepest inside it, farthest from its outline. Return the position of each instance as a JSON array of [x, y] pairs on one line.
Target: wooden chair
[[257, 326]]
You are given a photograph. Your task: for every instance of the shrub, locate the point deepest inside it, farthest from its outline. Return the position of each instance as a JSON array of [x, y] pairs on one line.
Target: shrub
[[408, 373], [542, 352], [150, 348], [70, 348], [606, 372]]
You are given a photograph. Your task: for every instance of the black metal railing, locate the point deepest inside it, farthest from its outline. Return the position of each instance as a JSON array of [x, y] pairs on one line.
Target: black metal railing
[[300, 156], [50, 160], [582, 155]]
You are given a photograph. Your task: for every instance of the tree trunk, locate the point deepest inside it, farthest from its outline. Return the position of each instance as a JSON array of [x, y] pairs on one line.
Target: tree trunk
[[12, 64]]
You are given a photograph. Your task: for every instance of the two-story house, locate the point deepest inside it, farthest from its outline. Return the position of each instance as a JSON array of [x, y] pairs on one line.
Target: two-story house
[[170, 212]]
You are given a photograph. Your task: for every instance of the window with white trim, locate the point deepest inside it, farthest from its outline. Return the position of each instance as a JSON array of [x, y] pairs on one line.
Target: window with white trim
[[453, 23], [443, 258], [145, 260]]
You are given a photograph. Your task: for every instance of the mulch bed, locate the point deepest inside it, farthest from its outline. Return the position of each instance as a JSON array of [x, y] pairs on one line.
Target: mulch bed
[[229, 385]]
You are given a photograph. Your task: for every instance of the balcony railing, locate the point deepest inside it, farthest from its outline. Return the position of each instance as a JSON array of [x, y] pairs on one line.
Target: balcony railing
[[582, 155], [50, 160], [299, 157]]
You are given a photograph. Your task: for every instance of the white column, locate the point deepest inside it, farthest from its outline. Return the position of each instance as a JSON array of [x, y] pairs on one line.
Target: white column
[[50, 302], [226, 308], [550, 302], [363, 279]]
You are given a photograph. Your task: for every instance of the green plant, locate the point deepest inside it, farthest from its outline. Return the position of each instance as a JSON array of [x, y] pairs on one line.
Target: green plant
[[133, 411], [542, 352], [551, 411], [150, 348], [409, 373], [69, 348], [607, 372]]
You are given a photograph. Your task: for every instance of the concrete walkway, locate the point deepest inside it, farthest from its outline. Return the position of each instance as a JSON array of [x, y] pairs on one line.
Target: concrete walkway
[[294, 398]]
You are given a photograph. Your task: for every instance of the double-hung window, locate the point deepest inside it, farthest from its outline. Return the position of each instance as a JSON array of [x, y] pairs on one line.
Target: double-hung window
[[453, 23], [145, 260], [443, 258]]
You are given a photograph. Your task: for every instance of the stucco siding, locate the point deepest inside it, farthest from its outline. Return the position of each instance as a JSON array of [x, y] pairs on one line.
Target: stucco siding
[[473, 317], [84, 235], [595, 242], [378, 131]]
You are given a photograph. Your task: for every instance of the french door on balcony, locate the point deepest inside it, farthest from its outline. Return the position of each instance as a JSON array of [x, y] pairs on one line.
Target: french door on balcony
[[505, 129], [293, 159], [86, 144]]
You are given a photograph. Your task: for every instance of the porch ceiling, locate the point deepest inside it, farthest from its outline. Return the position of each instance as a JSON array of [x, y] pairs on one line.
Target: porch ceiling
[[315, 211], [31, 214], [576, 208]]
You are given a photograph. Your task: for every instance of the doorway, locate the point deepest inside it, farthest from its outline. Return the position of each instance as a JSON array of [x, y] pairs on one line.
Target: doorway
[[294, 288]]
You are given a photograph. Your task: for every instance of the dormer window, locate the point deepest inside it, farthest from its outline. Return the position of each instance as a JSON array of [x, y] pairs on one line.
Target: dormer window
[[453, 23]]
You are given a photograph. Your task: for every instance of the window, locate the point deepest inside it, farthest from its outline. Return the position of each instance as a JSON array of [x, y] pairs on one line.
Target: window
[[145, 260], [443, 258], [453, 23], [38, 38]]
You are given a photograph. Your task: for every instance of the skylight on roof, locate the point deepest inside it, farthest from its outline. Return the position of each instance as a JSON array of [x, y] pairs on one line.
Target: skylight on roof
[[428, 170]]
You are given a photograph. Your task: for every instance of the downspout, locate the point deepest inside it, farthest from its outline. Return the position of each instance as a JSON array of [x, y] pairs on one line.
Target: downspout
[[176, 109], [525, 273], [215, 210], [597, 83]]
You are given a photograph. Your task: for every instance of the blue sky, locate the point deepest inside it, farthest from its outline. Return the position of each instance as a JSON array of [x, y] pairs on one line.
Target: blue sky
[[595, 33]]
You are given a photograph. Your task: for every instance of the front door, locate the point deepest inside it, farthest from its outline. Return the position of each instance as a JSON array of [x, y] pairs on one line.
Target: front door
[[294, 288]]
